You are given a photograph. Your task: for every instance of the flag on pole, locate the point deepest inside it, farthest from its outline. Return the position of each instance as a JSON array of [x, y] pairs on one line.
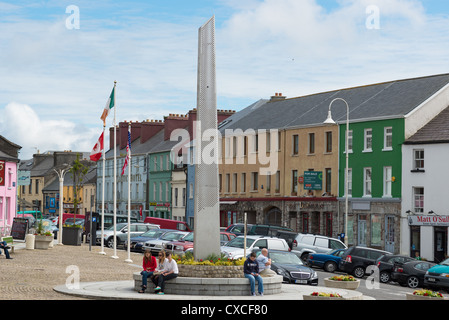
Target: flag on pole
[[109, 105], [128, 151], [96, 152]]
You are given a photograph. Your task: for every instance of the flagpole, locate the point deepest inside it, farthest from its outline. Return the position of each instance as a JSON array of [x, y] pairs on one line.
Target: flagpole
[[129, 194], [102, 194], [115, 177]]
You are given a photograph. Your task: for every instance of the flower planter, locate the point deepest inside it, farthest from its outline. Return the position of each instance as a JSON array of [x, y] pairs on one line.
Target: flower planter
[[410, 296], [71, 236], [42, 242], [349, 285]]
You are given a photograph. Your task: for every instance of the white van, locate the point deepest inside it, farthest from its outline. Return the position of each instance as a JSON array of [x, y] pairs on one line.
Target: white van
[[234, 249]]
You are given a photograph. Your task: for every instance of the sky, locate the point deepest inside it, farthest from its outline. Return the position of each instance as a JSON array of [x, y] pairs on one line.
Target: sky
[[59, 59]]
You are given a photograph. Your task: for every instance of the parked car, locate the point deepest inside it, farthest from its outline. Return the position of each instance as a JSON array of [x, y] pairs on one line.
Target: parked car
[[355, 260], [138, 242], [168, 223], [186, 243], [329, 261], [290, 267], [386, 265], [411, 273], [255, 229], [306, 244], [234, 249], [122, 232], [156, 245], [438, 276], [238, 228]]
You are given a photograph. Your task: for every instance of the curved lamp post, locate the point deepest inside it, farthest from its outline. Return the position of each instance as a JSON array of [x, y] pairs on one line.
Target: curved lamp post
[[330, 121]]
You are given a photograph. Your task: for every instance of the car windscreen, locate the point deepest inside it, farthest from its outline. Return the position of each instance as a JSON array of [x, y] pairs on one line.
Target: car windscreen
[[238, 242], [153, 233], [285, 258], [188, 237], [171, 236]]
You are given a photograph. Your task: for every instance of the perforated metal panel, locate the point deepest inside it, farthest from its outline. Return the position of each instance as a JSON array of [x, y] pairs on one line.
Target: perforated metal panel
[[207, 222]]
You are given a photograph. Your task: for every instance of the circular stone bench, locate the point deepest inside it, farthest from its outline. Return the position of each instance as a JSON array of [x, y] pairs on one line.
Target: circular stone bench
[[211, 286]]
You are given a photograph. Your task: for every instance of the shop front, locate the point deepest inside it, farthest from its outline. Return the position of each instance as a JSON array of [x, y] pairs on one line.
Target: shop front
[[429, 236]]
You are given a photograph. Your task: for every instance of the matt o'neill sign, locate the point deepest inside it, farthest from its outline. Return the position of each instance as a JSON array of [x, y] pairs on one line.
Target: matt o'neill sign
[[439, 221]]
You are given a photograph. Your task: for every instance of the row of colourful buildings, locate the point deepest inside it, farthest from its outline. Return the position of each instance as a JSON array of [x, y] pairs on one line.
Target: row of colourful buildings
[[280, 164]]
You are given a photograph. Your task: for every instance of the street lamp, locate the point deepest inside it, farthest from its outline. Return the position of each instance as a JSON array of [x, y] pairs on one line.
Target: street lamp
[[61, 173], [330, 121]]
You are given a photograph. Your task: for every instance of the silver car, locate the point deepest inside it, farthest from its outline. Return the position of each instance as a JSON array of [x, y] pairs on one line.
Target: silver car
[[122, 233], [304, 244], [156, 245]]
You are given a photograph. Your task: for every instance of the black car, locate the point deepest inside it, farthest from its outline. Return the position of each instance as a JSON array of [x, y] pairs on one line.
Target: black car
[[386, 264], [355, 260], [290, 267], [411, 273]]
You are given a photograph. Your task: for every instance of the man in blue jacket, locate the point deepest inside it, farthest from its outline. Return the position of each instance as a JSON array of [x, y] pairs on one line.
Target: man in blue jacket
[[251, 272]]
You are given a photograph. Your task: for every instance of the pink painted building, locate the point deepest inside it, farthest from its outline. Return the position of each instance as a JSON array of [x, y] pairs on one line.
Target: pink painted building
[[9, 160]]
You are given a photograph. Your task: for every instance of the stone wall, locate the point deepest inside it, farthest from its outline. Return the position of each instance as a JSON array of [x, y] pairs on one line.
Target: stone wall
[[202, 271]]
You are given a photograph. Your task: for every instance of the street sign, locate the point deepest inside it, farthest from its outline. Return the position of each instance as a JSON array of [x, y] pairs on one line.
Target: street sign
[[313, 180]]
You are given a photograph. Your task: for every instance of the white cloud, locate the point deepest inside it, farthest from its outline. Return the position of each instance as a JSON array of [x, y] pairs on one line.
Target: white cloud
[[21, 124], [297, 47]]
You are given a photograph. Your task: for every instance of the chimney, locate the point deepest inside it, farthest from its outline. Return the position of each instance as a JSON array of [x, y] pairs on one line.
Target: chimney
[[277, 97], [111, 137], [174, 121], [223, 114], [149, 129], [123, 133]]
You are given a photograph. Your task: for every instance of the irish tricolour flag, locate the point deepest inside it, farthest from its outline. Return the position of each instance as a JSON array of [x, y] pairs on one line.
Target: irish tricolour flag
[[109, 105]]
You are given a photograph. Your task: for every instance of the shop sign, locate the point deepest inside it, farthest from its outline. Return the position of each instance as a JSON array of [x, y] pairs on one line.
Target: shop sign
[[422, 220]]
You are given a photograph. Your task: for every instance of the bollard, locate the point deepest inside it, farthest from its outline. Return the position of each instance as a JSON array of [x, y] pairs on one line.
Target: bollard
[[29, 240]]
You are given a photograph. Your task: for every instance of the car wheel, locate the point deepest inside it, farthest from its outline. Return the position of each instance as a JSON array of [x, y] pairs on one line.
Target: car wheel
[[384, 277], [358, 272], [330, 266], [110, 242], [304, 258], [412, 282]]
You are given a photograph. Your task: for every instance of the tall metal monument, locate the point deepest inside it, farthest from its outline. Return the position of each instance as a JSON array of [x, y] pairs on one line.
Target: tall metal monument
[[207, 202]]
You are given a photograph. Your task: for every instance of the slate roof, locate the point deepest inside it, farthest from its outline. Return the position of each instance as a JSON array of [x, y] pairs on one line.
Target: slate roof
[[393, 99], [435, 131]]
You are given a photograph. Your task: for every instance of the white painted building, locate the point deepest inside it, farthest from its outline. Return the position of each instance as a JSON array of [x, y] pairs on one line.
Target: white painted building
[[425, 195]]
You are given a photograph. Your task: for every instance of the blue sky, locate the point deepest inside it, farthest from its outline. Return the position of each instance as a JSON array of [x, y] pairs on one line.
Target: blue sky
[[55, 81]]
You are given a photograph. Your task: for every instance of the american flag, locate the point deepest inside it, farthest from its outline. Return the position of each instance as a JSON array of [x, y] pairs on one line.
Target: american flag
[[128, 151]]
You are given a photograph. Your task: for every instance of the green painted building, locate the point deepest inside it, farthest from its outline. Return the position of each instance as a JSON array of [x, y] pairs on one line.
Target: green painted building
[[159, 178]]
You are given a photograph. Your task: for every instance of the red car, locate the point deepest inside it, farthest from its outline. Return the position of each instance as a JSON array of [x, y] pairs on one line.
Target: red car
[[186, 244]]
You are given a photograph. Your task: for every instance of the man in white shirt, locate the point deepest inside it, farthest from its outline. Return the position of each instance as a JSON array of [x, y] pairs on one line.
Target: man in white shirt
[[265, 264]]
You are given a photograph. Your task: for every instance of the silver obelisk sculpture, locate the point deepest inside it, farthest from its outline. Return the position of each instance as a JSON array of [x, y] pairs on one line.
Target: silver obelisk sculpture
[[207, 202]]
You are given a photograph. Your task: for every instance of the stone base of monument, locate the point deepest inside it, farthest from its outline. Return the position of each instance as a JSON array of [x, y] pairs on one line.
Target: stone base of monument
[[211, 286]]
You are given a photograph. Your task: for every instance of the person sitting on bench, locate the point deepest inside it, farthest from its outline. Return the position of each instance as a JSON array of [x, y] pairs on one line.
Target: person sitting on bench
[[4, 246]]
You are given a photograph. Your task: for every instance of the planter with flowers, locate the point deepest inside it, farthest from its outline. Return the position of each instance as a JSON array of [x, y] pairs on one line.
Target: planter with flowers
[[212, 267], [323, 296], [425, 295], [342, 282], [42, 238]]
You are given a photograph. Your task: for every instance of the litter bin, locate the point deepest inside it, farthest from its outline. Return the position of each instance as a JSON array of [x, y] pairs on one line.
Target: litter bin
[[29, 241]]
